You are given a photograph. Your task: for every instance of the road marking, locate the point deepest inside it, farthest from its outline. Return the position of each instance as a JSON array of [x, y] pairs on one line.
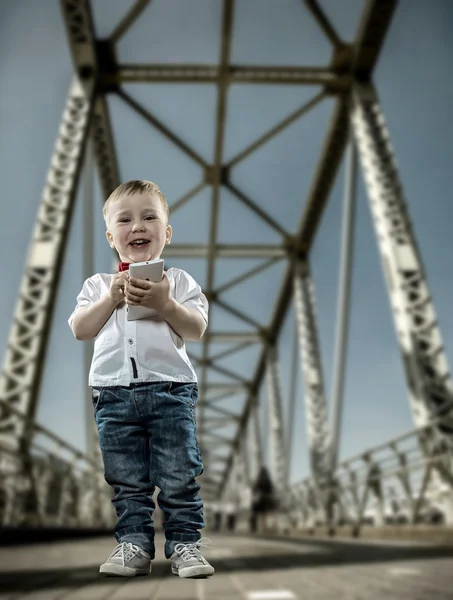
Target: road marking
[[404, 571], [200, 590], [270, 595]]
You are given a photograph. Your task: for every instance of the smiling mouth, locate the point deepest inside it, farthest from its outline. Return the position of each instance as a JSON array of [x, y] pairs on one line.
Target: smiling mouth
[[142, 243]]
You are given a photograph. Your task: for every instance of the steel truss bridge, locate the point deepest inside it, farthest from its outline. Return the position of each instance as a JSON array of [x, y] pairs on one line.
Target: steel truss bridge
[[46, 487]]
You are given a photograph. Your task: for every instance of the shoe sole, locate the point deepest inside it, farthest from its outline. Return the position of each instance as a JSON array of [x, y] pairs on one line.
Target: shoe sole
[[112, 570], [194, 572]]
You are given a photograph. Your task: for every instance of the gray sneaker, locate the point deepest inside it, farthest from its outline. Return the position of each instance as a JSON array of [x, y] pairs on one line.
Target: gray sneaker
[[126, 560], [187, 561]]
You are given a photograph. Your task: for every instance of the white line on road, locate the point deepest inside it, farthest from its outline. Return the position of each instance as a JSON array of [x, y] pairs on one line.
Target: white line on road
[[404, 571], [200, 590], [271, 595]]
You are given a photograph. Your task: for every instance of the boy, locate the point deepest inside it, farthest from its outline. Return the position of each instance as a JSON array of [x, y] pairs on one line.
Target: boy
[[144, 388]]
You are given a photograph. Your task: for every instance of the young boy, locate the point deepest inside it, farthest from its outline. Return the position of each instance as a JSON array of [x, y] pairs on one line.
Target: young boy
[[144, 388]]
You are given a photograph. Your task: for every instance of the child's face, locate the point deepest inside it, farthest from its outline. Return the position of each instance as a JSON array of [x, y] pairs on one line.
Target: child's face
[[135, 217]]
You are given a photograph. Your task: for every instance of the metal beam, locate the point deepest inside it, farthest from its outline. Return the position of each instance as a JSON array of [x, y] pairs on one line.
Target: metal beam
[[224, 251], [186, 197], [344, 293], [266, 137], [318, 433], [367, 45], [276, 434], [128, 20], [22, 370], [217, 409], [146, 73], [245, 276], [231, 388], [323, 22], [264, 215], [319, 193], [104, 147], [80, 31], [233, 337], [163, 129], [78, 21], [210, 364], [428, 376], [371, 35], [238, 314]]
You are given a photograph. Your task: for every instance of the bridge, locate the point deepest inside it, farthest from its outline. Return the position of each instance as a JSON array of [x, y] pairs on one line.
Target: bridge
[[356, 514]]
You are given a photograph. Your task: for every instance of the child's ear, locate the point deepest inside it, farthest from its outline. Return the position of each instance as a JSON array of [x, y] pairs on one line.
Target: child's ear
[[168, 234], [109, 237]]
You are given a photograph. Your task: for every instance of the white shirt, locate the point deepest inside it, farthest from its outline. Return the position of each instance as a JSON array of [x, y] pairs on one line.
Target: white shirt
[[145, 350]]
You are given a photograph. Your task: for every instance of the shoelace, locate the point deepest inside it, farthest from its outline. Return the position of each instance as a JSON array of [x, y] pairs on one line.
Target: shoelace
[[188, 551], [126, 550]]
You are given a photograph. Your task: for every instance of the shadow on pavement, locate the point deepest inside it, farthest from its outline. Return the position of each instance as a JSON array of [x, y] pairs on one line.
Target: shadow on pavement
[[323, 554]]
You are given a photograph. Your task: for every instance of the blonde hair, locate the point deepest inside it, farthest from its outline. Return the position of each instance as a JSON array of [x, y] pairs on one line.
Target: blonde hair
[[140, 186]]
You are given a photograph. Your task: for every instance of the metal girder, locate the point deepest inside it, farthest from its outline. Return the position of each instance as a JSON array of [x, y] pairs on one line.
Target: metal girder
[[78, 21], [24, 361], [271, 133], [323, 181], [284, 75], [216, 178], [318, 433], [163, 129], [129, 19], [232, 488], [217, 368], [343, 304], [234, 337], [277, 445], [104, 148], [256, 450], [220, 440], [373, 28], [228, 414], [219, 423], [232, 388], [246, 276], [237, 313], [324, 23], [224, 251], [85, 55], [425, 361], [367, 46]]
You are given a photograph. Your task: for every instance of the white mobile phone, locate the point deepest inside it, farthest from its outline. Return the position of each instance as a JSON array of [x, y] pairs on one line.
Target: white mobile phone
[[150, 270]]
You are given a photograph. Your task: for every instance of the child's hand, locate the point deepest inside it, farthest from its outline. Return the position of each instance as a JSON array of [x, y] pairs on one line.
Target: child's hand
[[117, 286], [140, 292]]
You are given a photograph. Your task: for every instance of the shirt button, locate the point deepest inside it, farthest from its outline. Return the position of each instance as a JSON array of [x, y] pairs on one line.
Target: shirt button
[[130, 340]]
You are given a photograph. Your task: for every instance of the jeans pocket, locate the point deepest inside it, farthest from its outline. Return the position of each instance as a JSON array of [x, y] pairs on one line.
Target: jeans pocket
[[195, 394], [186, 392], [96, 395]]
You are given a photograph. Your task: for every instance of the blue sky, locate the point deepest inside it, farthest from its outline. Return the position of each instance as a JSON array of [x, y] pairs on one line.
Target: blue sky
[[416, 92]]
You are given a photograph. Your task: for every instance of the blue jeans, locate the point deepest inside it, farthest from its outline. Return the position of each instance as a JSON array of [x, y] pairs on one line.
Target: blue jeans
[[148, 438]]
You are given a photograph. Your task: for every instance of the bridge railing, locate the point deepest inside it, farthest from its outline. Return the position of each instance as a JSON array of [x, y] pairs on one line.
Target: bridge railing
[[50, 483], [392, 483]]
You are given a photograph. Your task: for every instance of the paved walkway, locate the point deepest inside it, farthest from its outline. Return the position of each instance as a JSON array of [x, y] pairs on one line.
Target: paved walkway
[[246, 569]]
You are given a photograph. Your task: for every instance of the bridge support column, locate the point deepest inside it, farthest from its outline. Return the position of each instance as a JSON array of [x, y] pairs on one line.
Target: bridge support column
[[256, 446], [425, 362], [276, 434], [21, 373], [315, 404]]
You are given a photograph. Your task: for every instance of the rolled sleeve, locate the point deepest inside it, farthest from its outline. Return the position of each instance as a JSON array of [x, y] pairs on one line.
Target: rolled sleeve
[[88, 295], [190, 294]]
